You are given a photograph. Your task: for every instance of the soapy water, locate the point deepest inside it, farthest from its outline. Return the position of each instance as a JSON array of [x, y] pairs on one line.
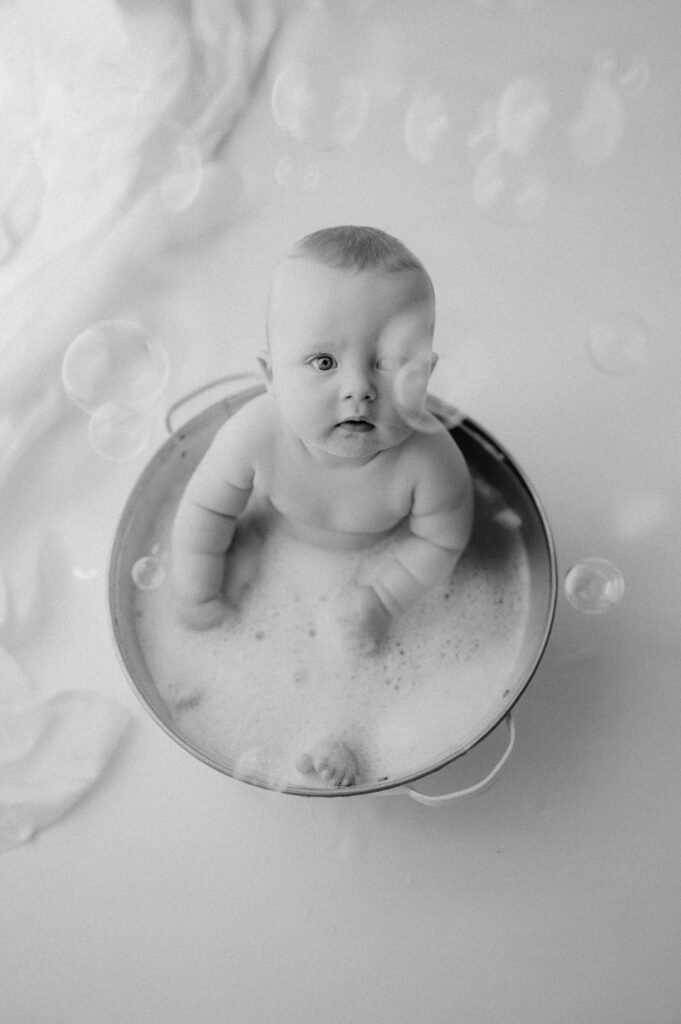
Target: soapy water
[[619, 344], [320, 106], [594, 585], [270, 683], [116, 362]]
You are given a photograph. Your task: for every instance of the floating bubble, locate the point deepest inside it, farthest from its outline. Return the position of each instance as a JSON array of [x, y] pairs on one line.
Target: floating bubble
[[300, 174], [640, 515], [114, 361], [629, 73], [118, 433], [508, 189], [596, 130], [410, 385], [324, 108], [594, 586], [439, 122], [148, 572], [620, 344], [522, 112]]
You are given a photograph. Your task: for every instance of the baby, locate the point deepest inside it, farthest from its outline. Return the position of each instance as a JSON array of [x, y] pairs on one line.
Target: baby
[[335, 445]]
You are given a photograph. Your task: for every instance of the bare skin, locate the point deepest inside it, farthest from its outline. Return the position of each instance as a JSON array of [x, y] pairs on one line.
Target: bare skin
[[334, 454]]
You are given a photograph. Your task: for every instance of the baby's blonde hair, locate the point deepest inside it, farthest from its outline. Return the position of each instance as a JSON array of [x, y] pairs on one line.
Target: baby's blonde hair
[[348, 247]]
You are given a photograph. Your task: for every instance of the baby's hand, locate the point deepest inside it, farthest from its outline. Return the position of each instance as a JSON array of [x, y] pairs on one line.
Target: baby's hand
[[360, 621], [206, 615]]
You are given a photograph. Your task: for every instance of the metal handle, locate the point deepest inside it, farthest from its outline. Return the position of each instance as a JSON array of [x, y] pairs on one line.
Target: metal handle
[[438, 801], [228, 379]]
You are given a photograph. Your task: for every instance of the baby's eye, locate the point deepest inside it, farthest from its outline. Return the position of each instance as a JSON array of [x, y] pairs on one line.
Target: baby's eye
[[323, 363]]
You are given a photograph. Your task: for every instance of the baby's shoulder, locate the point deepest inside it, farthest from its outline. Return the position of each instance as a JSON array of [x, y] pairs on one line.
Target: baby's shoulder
[[437, 465], [252, 424], [436, 448]]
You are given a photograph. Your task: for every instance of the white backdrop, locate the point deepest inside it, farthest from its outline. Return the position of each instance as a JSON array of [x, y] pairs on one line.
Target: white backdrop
[[528, 152]]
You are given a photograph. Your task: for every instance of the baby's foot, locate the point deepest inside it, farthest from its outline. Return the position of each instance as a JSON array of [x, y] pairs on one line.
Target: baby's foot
[[332, 761]]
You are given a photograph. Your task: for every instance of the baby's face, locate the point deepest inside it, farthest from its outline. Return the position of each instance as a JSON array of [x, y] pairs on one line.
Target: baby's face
[[338, 342]]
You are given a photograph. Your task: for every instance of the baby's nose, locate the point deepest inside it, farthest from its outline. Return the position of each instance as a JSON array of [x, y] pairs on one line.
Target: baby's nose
[[358, 386]]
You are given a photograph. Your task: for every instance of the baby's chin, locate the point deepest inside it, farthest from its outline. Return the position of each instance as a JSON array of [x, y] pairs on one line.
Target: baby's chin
[[346, 445]]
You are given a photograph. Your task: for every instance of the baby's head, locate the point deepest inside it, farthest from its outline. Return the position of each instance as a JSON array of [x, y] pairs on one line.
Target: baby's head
[[350, 322]]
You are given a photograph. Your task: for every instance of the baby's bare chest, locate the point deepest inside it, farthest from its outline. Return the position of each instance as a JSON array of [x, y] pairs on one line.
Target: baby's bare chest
[[366, 499]]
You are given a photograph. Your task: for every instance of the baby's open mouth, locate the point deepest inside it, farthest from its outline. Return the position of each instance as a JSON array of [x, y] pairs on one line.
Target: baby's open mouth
[[357, 424]]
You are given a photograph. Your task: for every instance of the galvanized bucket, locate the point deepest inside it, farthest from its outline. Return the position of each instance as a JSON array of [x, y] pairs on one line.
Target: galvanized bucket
[[177, 458]]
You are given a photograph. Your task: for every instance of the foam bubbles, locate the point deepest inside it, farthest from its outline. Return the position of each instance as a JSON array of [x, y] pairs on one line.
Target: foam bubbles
[[118, 433], [319, 106], [114, 361], [619, 344], [148, 572], [594, 586]]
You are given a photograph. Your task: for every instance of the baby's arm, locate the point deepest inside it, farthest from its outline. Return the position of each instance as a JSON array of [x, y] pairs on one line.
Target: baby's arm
[[205, 521], [439, 527]]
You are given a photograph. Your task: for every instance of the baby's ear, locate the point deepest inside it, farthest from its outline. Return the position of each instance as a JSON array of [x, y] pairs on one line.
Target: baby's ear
[[265, 363]]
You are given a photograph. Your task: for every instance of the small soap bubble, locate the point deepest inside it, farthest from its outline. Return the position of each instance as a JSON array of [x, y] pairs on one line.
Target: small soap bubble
[[594, 586], [440, 121], [640, 515], [523, 110], [508, 189], [619, 345], [299, 174], [114, 361], [118, 433], [596, 130], [629, 73], [148, 573], [320, 106]]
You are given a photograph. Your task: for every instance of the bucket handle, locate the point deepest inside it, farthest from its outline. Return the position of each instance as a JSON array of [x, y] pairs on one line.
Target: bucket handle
[[228, 379], [438, 801]]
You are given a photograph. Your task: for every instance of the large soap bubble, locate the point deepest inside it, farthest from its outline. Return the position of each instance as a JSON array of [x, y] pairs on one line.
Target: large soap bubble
[[114, 361], [318, 105], [619, 344], [594, 586]]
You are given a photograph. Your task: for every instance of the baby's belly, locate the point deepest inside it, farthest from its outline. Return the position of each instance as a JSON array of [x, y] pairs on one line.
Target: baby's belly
[[352, 538]]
